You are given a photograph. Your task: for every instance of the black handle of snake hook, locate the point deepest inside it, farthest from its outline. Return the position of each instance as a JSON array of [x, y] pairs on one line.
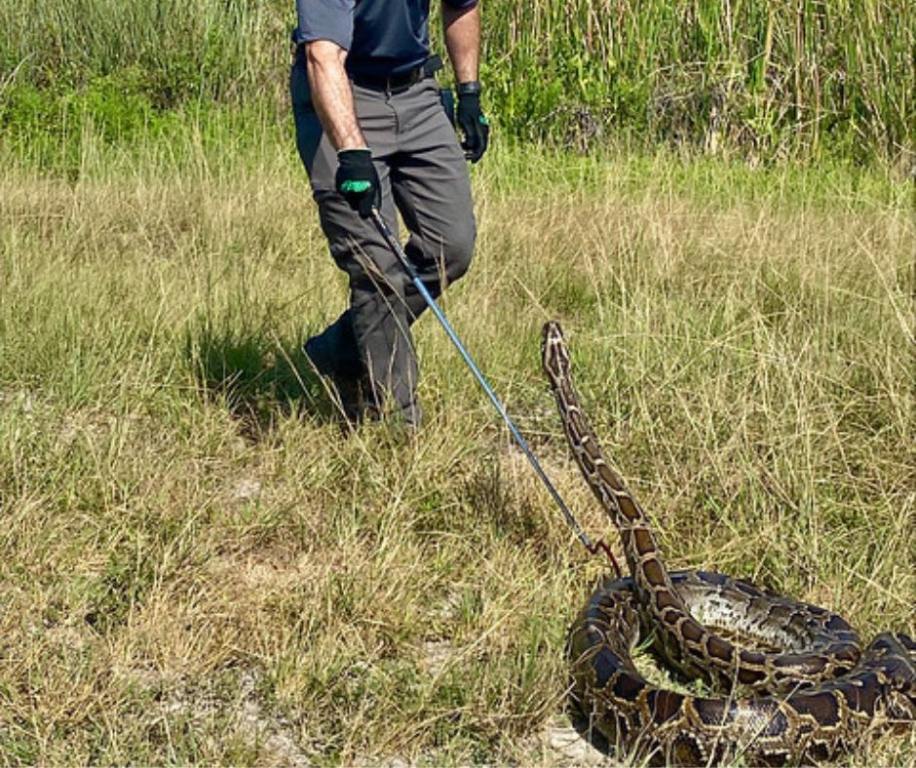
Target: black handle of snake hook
[[395, 246]]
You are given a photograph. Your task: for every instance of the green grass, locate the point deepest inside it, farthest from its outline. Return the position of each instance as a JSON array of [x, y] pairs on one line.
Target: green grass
[[195, 567], [764, 80]]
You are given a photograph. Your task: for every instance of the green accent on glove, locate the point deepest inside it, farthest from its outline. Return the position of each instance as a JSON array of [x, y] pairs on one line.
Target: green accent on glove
[[356, 187], [483, 120]]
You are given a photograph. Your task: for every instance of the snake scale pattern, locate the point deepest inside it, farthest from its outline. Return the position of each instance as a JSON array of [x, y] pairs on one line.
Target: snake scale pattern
[[804, 692]]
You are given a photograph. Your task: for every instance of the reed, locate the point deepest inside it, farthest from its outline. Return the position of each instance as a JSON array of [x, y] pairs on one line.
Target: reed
[[759, 79]]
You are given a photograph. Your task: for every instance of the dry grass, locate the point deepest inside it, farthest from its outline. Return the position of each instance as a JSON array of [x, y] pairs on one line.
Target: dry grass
[[196, 568]]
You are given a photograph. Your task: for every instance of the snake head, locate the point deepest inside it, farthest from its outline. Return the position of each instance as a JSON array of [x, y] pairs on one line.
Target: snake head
[[554, 352]]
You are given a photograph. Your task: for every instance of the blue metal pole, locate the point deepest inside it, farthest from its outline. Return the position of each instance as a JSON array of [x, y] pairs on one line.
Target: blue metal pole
[[398, 251]]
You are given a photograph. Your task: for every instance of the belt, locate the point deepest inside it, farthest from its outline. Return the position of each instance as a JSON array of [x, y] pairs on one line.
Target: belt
[[388, 83], [401, 81]]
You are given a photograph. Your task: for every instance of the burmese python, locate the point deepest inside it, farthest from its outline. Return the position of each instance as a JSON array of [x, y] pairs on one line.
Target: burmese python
[[815, 697]]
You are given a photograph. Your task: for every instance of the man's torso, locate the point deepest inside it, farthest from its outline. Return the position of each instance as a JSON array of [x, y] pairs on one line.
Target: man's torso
[[388, 37]]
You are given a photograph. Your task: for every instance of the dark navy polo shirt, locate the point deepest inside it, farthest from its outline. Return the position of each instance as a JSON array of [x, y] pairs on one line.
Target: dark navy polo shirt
[[382, 37]]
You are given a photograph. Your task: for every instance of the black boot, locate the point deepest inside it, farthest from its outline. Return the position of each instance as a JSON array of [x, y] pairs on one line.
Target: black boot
[[333, 353]]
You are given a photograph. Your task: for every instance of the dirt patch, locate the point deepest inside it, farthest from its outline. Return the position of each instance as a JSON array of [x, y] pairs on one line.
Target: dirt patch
[[564, 746]]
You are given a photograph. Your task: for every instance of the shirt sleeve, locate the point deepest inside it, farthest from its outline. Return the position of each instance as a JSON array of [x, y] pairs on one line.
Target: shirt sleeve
[[460, 4], [325, 20]]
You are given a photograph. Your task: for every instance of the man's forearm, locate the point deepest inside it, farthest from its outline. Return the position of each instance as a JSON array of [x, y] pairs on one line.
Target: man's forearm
[[462, 40], [332, 95]]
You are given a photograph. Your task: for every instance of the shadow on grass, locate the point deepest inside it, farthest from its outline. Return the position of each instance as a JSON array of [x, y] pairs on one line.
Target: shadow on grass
[[586, 729], [260, 377]]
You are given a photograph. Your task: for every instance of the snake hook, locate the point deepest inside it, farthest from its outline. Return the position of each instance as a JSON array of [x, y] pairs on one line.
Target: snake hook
[[601, 546]]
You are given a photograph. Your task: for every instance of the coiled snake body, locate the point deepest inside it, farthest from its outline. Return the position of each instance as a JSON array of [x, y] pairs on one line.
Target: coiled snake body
[[816, 697]]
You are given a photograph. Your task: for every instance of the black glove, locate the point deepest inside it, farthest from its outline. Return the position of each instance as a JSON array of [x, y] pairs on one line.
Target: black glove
[[357, 180], [473, 123]]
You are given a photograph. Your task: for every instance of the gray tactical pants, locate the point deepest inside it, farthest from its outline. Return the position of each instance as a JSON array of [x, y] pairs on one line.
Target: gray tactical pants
[[423, 172]]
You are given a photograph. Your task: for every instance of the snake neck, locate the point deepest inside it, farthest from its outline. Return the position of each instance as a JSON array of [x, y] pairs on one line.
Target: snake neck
[[640, 547]]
